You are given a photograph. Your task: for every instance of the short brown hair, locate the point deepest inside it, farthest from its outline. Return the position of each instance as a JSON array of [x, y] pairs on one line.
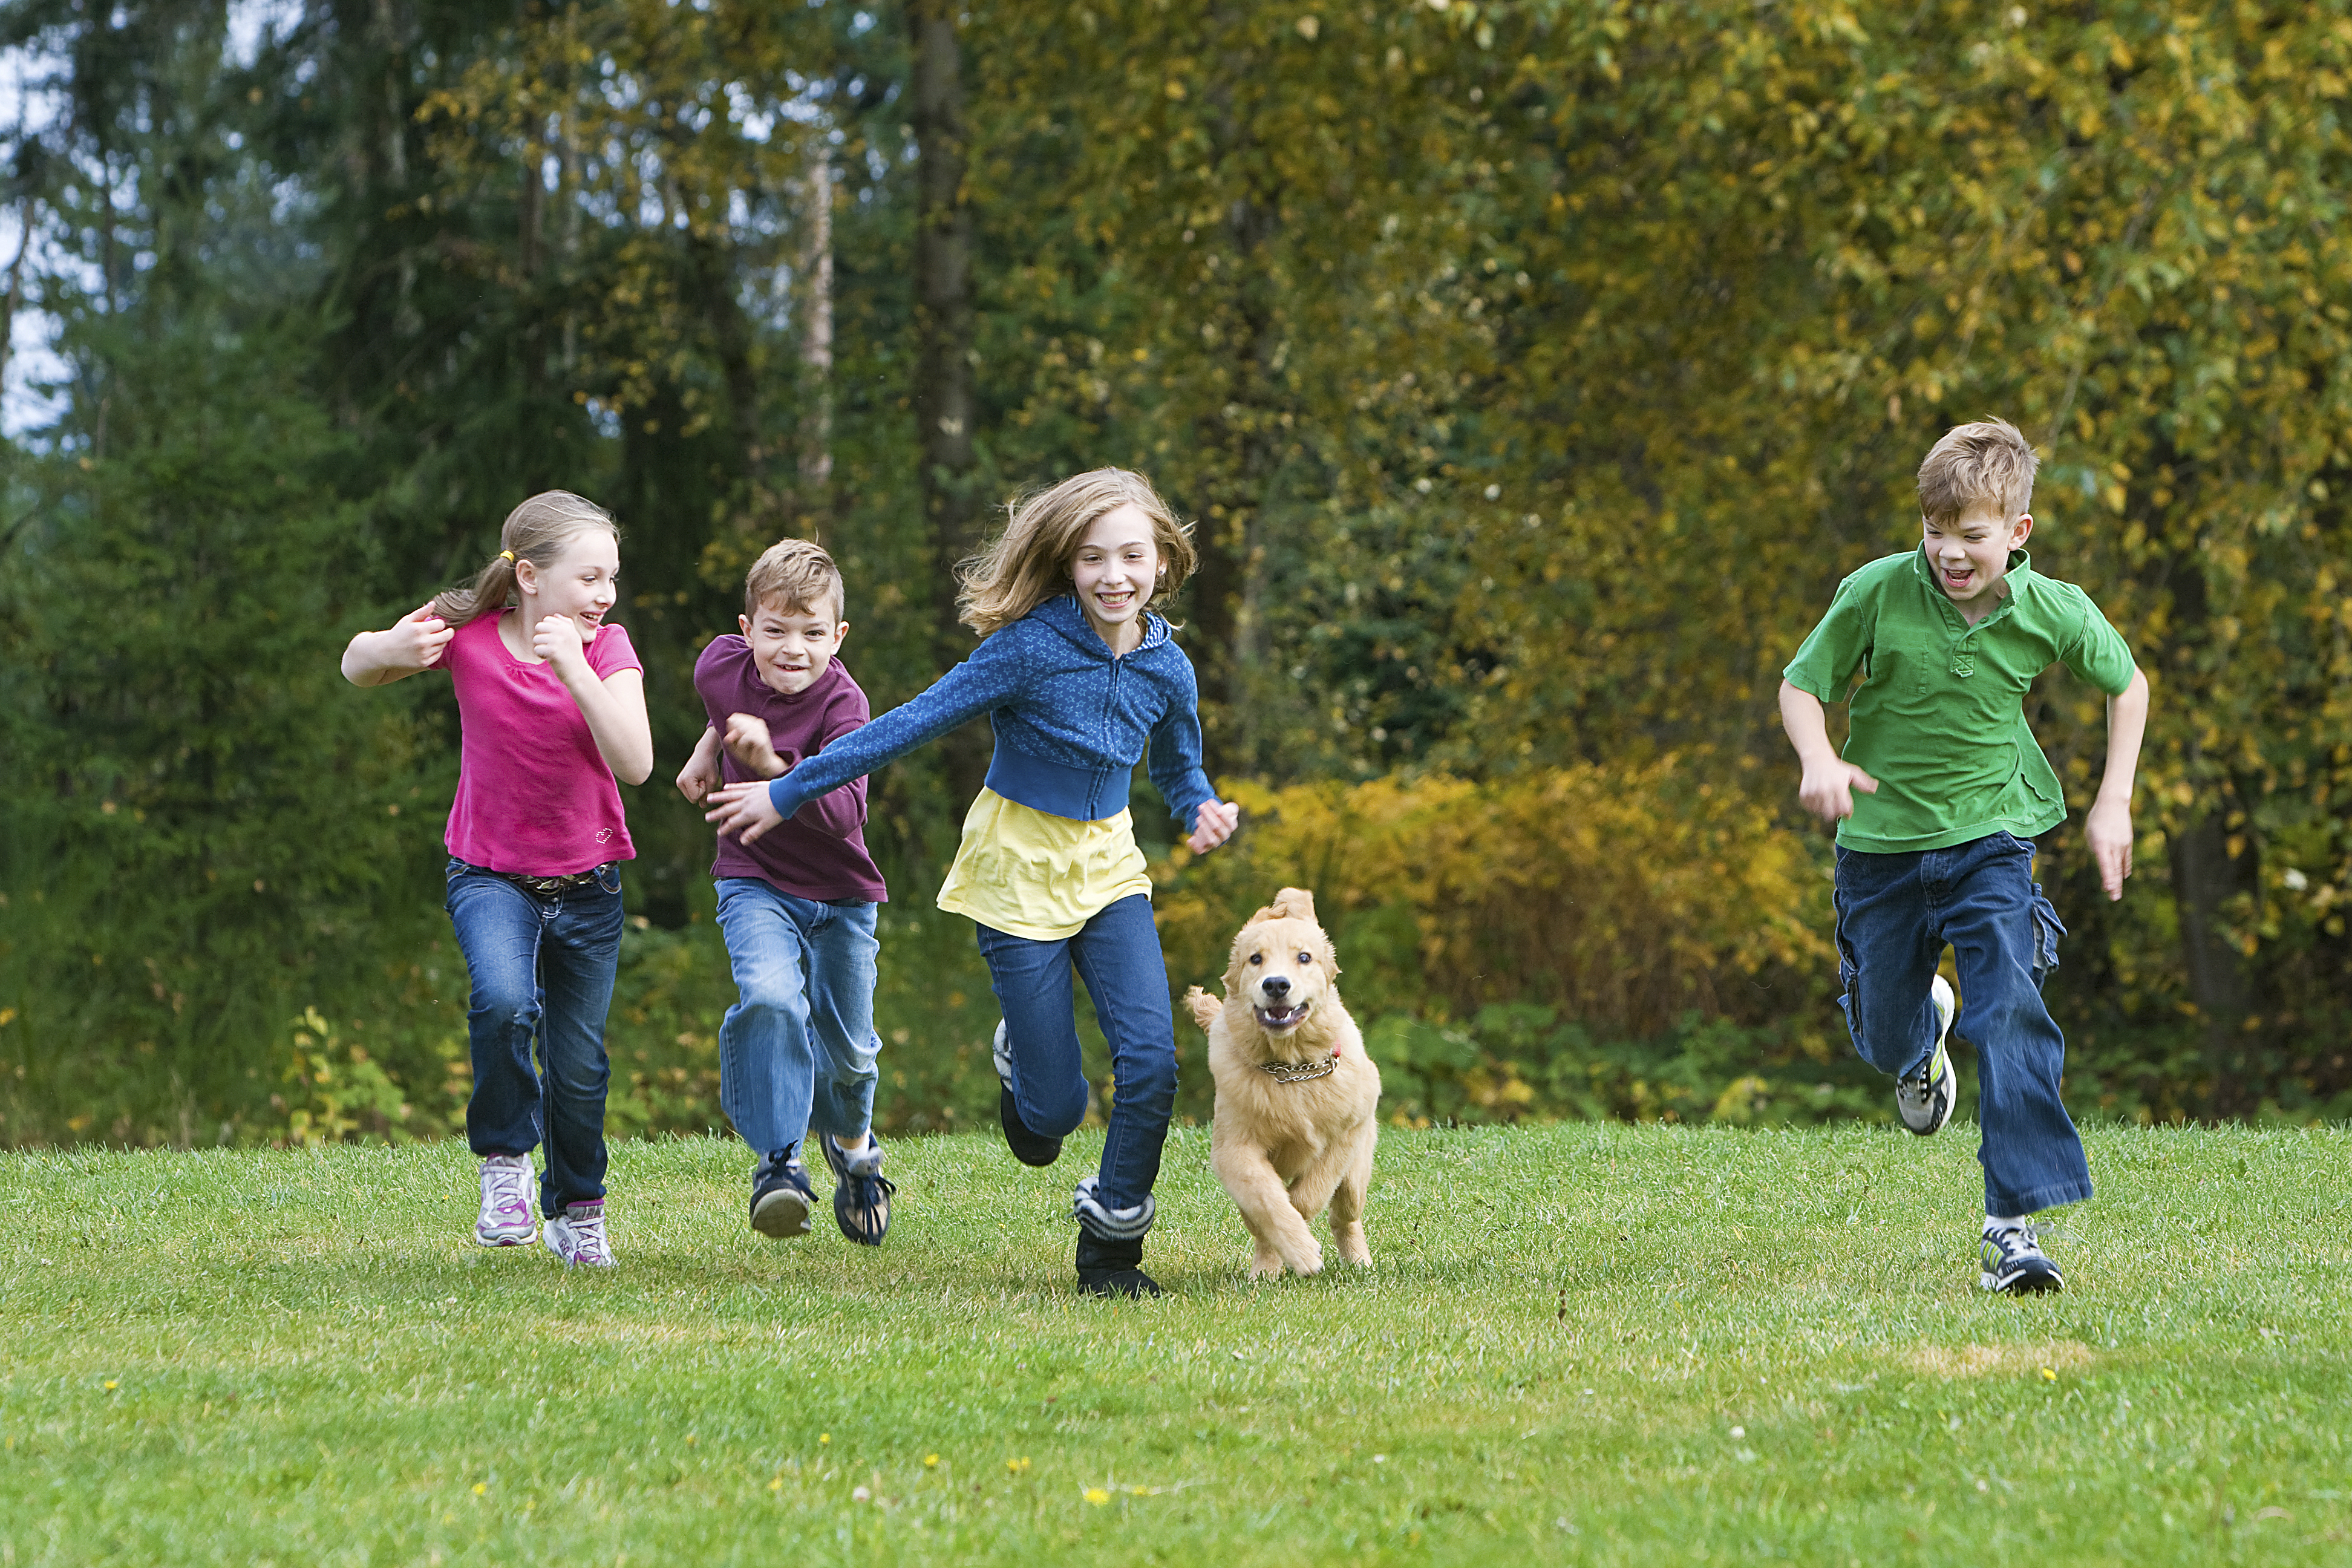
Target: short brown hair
[[798, 573], [1986, 462], [1029, 563]]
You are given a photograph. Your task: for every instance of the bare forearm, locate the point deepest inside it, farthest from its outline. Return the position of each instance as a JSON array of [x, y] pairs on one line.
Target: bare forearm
[[2126, 725], [617, 718], [364, 663], [1802, 716]]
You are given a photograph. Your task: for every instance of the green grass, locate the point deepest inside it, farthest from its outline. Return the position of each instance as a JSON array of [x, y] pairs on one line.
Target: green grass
[[1577, 1343]]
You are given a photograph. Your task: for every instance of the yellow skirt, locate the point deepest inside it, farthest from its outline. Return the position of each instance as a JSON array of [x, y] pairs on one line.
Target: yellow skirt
[[1033, 874]]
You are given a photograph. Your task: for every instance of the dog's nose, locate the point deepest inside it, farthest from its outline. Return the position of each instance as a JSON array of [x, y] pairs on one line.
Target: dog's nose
[[1275, 987]]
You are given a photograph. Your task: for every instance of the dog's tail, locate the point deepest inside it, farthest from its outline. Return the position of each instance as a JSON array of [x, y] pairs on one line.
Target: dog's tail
[[1203, 1006]]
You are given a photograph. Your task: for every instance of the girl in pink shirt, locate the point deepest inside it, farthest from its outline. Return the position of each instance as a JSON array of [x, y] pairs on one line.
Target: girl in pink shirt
[[551, 712]]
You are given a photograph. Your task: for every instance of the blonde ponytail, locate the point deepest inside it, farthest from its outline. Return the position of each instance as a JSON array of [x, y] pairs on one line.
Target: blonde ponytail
[[538, 532]]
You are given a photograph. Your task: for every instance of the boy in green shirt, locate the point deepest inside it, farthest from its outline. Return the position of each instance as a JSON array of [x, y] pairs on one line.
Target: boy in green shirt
[[1938, 845]]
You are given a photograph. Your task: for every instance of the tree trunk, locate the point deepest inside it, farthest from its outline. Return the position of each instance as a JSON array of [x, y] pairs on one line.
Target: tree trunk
[[816, 346], [2208, 871], [943, 330]]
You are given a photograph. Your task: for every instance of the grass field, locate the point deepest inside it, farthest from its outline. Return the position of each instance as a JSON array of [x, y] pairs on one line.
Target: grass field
[[1577, 1343]]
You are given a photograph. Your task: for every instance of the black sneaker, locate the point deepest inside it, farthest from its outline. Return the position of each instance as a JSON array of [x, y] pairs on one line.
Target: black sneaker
[[2015, 1265], [861, 1194], [780, 1195], [1029, 1148], [1924, 1099], [1113, 1267]]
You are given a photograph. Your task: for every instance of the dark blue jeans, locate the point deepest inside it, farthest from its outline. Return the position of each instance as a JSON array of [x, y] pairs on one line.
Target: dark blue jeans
[[1894, 914], [541, 965], [1116, 954]]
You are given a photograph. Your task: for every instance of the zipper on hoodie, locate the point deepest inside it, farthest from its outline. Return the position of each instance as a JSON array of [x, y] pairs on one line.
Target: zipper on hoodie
[[1102, 734]]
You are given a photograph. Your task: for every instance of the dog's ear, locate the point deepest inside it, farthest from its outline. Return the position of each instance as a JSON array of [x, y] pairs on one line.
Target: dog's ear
[[1273, 911], [1203, 1006], [1297, 903]]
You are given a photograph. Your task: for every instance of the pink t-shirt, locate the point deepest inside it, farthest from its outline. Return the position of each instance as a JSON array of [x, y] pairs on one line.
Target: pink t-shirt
[[534, 796]]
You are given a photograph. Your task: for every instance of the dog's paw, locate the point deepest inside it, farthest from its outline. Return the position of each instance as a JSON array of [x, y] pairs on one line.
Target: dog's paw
[[1266, 1266], [1308, 1263]]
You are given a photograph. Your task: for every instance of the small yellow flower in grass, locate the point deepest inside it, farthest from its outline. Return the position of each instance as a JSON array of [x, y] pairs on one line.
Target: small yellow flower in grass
[[825, 1436], [1139, 1491], [777, 1485], [930, 1461], [110, 1384], [2048, 1375], [1096, 1496], [1016, 1465], [479, 1489]]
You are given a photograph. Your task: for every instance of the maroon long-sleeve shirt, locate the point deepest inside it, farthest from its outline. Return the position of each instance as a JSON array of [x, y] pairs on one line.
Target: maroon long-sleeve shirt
[[820, 854]]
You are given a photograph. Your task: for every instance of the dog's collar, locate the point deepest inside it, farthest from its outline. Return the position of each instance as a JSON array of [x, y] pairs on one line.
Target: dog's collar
[[1300, 1072]]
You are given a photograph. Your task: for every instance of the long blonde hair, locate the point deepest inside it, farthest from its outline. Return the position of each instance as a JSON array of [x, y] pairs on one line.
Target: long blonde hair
[[1029, 563], [538, 531]]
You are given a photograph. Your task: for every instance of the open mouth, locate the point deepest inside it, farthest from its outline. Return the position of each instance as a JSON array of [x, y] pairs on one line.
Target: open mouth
[[1274, 1020], [1118, 600], [1957, 577]]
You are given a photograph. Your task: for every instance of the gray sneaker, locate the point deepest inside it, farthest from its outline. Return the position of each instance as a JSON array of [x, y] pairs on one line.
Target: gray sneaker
[[1924, 1098], [577, 1235], [2015, 1265], [508, 1218]]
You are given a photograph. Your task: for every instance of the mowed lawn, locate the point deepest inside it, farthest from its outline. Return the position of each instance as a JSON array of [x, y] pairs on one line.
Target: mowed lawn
[[1577, 1344]]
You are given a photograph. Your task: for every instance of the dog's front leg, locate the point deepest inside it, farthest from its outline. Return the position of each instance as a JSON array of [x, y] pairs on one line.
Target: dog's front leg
[[1281, 1237], [1348, 1199]]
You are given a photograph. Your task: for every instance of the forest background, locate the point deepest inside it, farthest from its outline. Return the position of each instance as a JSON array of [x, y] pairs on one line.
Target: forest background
[[1533, 372]]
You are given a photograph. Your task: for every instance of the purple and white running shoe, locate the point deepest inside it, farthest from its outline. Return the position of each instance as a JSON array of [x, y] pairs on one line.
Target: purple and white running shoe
[[507, 1217], [577, 1235]]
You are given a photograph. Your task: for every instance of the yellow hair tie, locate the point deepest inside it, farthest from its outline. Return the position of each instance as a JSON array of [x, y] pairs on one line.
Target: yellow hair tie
[[506, 554]]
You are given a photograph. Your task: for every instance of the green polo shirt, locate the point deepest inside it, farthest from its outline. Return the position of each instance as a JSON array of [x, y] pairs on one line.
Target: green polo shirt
[[1940, 718]]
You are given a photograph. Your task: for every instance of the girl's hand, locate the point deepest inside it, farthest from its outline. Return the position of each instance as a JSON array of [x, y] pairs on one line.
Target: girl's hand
[[1213, 824], [754, 751], [742, 811], [556, 639], [418, 639]]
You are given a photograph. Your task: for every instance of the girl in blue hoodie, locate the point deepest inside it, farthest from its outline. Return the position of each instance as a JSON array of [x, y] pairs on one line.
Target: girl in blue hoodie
[[1080, 681]]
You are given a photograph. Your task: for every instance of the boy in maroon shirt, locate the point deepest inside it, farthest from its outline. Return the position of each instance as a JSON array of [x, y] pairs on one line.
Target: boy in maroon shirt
[[797, 905]]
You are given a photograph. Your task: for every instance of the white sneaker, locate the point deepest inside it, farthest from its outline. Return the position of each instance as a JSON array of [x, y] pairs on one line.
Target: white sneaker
[[577, 1235], [507, 1218], [1925, 1098]]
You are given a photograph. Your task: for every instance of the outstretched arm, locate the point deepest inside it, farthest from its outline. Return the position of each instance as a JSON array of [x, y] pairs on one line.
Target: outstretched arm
[[408, 647], [1827, 787], [2108, 830], [989, 678]]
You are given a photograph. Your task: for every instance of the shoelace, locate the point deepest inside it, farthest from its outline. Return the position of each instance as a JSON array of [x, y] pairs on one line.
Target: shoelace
[[588, 1240], [510, 1191], [2015, 1242]]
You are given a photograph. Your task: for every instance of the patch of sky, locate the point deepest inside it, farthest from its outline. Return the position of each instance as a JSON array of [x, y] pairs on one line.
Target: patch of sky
[[254, 26]]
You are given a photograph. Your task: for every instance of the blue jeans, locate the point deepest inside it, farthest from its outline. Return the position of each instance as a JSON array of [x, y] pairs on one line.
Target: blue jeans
[[1116, 954], [541, 965], [1895, 913], [796, 1051]]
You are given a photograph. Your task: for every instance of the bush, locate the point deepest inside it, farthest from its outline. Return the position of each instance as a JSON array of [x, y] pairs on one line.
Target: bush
[[1573, 941]]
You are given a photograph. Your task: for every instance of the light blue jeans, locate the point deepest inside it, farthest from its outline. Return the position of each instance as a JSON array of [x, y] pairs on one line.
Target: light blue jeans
[[796, 1051]]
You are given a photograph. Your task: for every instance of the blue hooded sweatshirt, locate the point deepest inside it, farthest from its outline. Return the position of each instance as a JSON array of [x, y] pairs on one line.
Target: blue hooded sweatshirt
[[1071, 720]]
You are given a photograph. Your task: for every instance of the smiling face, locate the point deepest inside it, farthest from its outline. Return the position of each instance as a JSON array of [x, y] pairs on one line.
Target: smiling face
[[1282, 967], [581, 581], [792, 645], [1114, 570], [1969, 553]]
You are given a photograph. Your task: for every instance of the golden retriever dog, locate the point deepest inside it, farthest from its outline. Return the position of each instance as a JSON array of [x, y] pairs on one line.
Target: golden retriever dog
[[1294, 1127]]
